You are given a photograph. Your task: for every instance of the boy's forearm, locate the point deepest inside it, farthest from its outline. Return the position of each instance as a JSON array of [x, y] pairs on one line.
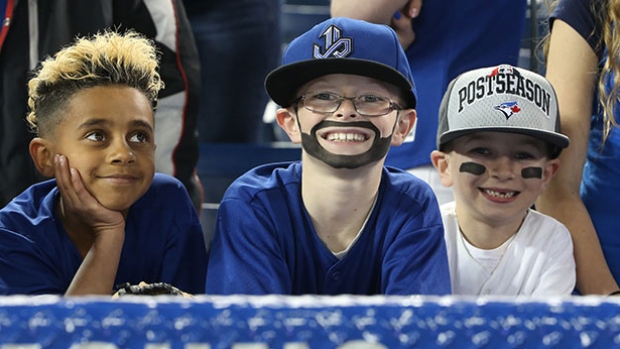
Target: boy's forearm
[[98, 270]]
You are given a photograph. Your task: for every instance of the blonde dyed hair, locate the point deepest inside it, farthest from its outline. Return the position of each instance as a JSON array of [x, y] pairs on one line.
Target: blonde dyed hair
[[611, 39], [107, 58]]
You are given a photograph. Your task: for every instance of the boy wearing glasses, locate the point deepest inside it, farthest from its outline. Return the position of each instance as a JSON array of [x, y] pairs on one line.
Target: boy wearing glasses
[[338, 221]]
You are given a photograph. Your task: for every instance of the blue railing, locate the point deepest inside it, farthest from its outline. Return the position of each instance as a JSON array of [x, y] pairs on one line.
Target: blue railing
[[338, 322]]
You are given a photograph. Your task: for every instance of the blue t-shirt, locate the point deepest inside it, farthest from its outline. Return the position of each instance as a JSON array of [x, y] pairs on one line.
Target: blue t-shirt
[[163, 242], [600, 187], [265, 242], [452, 37]]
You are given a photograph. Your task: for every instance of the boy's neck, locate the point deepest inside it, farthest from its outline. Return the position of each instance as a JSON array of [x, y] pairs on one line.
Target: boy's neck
[[339, 200], [487, 235]]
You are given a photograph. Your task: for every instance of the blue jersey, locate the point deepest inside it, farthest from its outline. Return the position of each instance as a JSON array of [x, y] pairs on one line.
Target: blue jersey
[[265, 243], [163, 242], [454, 36], [600, 188]]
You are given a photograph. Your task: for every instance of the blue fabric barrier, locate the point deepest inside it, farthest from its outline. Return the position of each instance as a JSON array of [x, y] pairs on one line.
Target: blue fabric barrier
[[279, 322]]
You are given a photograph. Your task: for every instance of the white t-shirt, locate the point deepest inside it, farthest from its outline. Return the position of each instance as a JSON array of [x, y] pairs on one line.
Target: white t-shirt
[[536, 261]]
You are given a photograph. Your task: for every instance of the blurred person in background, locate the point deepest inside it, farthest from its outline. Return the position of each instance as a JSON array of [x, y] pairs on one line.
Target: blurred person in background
[[586, 192], [239, 43]]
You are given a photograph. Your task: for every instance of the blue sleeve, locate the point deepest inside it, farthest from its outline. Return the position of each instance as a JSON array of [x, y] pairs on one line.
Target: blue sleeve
[[245, 257], [185, 259], [417, 263], [581, 15], [184, 263], [26, 268]]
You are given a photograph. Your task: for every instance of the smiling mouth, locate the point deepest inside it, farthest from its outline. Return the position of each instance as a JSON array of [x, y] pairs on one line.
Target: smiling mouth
[[345, 137], [120, 179], [500, 194], [120, 176]]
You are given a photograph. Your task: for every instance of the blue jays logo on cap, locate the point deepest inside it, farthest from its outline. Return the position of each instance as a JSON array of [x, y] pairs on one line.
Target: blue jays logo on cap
[[335, 45], [508, 108], [342, 46]]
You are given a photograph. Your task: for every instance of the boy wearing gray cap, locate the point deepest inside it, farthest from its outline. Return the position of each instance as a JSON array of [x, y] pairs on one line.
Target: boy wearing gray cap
[[499, 139], [338, 221]]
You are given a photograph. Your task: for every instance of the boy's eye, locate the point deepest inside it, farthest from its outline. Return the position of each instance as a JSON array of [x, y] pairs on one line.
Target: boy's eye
[[371, 99], [139, 137], [481, 151], [324, 96], [96, 136], [524, 156]]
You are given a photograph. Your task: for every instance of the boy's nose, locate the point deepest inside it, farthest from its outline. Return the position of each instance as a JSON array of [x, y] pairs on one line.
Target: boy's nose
[[347, 108], [502, 168], [121, 153]]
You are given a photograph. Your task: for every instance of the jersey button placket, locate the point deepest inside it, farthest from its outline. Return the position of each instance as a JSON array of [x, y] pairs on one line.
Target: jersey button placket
[[336, 276]]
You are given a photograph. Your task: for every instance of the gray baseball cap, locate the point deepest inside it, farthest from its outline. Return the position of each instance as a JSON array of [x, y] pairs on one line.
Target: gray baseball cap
[[501, 99]]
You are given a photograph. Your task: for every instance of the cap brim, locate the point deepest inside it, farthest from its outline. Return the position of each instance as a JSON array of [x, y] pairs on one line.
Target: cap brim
[[282, 83], [554, 138]]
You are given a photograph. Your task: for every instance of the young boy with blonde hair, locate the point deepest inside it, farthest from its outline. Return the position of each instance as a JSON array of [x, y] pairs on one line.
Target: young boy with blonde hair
[[106, 218]]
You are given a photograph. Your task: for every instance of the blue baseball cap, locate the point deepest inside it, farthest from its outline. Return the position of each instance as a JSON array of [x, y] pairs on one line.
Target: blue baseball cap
[[342, 46]]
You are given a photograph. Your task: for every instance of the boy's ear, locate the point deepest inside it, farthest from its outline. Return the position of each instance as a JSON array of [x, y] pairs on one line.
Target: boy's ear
[[288, 122], [441, 162], [404, 124], [43, 156], [551, 168]]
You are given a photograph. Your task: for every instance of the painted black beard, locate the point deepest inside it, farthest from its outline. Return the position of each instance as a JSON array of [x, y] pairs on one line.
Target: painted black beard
[[377, 151]]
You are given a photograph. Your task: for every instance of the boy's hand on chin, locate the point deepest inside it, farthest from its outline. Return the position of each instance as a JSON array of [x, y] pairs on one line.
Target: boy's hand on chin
[[77, 201]]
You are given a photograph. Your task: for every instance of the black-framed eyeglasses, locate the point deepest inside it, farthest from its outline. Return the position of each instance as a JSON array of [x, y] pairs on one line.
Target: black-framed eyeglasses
[[366, 105]]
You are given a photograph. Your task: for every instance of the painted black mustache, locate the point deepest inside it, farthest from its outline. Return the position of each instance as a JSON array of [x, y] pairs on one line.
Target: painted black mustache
[[376, 152]]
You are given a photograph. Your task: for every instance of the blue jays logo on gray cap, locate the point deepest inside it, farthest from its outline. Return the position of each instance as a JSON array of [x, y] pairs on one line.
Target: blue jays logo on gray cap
[[342, 46]]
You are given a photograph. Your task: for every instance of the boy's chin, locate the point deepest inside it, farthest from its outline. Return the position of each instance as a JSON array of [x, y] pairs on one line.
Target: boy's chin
[[117, 204], [117, 200]]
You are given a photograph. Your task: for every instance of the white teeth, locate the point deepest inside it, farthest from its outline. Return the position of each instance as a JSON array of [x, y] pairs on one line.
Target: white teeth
[[499, 195], [345, 137]]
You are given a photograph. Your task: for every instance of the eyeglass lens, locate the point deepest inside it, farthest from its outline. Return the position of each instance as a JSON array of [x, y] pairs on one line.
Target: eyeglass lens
[[367, 105]]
